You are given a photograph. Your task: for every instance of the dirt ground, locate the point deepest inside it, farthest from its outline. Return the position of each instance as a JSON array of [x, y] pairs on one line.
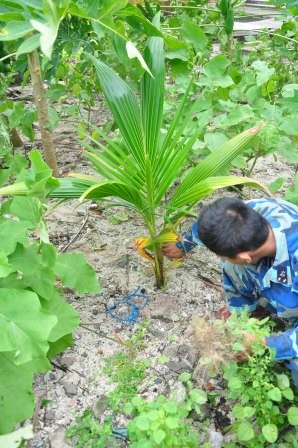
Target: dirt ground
[[106, 236]]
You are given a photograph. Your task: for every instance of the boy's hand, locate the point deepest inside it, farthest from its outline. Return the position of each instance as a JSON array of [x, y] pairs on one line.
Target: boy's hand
[[223, 313], [170, 250], [249, 339]]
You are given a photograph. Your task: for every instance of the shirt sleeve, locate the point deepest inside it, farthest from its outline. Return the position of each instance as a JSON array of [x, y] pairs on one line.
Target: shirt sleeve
[[190, 239], [285, 344], [239, 289]]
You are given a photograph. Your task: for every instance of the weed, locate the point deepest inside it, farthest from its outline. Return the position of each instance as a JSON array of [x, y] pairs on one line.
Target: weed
[[128, 374], [159, 422], [89, 433]]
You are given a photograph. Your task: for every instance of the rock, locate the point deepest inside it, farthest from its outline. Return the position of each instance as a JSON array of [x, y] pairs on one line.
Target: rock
[[215, 439], [170, 351], [50, 415], [157, 332], [183, 349], [177, 366], [68, 361], [122, 263], [58, 440], [100, 406], [70, 389]]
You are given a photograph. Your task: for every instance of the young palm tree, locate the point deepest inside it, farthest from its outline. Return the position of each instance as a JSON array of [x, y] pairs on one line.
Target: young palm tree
[[139, 172]]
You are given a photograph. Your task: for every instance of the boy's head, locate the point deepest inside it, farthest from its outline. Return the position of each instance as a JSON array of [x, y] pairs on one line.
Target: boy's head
[[229, 227]]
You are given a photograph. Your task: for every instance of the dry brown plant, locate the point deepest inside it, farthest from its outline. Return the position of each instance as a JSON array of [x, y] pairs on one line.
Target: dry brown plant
[[215, 343]]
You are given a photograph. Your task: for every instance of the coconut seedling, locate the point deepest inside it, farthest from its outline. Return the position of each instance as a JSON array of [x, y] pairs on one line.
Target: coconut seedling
[[139, 171]]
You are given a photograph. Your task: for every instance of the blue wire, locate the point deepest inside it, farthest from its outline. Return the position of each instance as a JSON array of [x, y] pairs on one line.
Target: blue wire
[[135, 309]]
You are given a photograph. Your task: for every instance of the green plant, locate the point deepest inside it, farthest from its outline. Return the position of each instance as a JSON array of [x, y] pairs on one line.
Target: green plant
[[140, 170], [263, 399], [128, 373], [87, 432], [165, 422], [36, 322]]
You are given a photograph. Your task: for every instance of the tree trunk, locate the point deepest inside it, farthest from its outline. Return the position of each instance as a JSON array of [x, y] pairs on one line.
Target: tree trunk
[[42, 112]]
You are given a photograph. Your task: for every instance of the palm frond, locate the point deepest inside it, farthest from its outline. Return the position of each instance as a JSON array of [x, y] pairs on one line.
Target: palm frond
[[207, 186], [152, 93], [216, 161], [124, 107]]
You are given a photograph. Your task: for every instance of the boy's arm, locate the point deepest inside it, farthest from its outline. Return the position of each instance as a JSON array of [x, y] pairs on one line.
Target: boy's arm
[[188, 242], [190, 239], [285, 344]]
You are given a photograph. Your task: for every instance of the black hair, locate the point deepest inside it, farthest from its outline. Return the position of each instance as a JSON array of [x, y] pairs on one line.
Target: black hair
[[228, 226]]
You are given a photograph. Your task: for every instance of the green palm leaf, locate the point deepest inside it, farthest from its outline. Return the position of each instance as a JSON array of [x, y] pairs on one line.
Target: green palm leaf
[[152, 93], [207, 186], [216, 161], [124, 107]]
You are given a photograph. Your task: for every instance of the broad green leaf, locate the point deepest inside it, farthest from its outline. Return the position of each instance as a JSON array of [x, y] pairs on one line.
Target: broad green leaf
[[213, 141], [158, 436], [193, 33], [172, 422], [291, 193], [288, 149], [198, 396], [235, 383], [75, 272], [142, 423], [239, 114], [5, 267], [215, 71], [276, 184], [29, 44], [274, 394], [270, 432], [288, 90], [171, 408], [15, 30], [245, 432], [14, 439], [10, 13], [36, 274], [60, 345], [66, 316], [17, 400], [288, 394], [293, 415], [132, 12], [242, 412], [263, 72], [26, 209], [176, 49], [13, 232], [289, 125], [24, 328]]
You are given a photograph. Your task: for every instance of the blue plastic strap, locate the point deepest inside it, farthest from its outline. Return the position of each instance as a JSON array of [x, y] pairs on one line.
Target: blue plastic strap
[[135, 309]]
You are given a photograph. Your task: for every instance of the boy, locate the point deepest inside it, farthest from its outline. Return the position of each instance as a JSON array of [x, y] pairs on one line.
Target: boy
[[257, 241]]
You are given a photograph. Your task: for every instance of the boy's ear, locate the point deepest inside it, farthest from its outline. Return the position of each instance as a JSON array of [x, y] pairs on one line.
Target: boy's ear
[[245, 257]]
